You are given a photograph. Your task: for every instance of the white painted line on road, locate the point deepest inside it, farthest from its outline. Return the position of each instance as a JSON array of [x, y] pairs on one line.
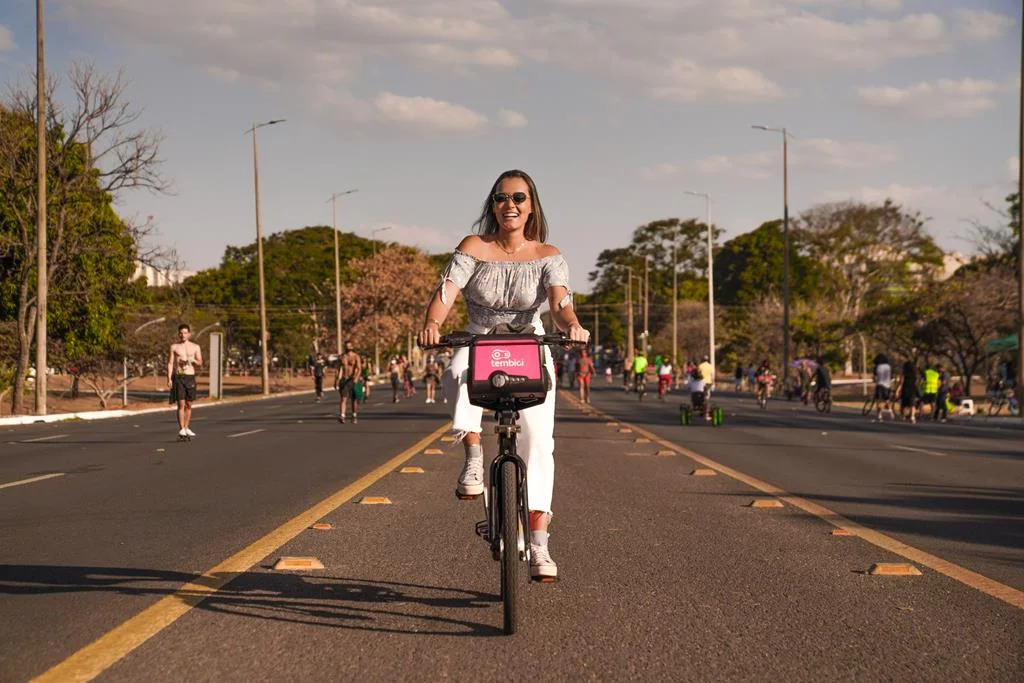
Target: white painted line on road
[[253, 431], [31, 480], [95, 658], [919, 450], [44, 438]]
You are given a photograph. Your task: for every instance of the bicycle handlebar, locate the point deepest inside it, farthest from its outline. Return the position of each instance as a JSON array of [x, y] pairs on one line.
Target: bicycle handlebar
[[459, 339]]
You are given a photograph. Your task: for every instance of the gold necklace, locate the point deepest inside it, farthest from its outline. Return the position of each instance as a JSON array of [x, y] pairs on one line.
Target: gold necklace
[[512, 252]]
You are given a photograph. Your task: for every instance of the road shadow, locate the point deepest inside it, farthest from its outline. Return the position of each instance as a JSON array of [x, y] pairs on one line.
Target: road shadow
[[322, 601]]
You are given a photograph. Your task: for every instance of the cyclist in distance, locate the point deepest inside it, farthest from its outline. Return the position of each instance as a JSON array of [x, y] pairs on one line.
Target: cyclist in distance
[[505, 272], [822, 379], [765, 378], [639, 369]]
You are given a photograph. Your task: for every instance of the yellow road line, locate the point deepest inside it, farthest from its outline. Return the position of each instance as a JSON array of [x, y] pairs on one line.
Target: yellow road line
[[965, 576], [101, 654]]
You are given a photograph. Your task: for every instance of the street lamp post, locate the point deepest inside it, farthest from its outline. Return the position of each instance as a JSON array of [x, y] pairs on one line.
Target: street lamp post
[[41, 267], [376, 326], [675, 307], [337, 266], [711, 277], [647, 298], [785, 246], [124, 361], [629, 312], [259, 255]]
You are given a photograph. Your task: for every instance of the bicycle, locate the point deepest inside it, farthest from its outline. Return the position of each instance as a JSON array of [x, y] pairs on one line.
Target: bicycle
[[872, 403], [823, 400], [492, 385], [1004, 398], [640, 385], [762, 395]]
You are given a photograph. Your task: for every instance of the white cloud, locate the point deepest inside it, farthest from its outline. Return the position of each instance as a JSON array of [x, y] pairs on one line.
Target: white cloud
[[428, 113], [659, 172], [687, 81], [816, 153], [675, 50], [430, 240], [511, 119], [907, 195], [222, 74], [982, 25], [6, 39], [940, 99]]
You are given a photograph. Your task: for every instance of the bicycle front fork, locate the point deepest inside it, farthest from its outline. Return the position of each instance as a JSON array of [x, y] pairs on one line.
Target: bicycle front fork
[[493, 502]]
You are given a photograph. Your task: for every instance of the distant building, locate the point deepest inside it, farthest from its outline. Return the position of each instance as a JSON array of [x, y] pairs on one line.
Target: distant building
[[160, 278]]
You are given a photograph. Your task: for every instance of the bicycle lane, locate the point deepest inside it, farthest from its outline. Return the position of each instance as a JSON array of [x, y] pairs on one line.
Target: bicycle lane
[[664, 575]]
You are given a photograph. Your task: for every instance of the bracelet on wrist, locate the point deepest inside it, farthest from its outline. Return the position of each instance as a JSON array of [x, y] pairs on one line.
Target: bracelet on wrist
[[432, 320]]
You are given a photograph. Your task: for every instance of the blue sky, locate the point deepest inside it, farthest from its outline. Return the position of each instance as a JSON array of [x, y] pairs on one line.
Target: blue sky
[[614, 106]]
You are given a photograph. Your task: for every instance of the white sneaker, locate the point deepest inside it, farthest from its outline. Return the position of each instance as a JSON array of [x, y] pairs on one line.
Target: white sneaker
[[541, 564], [182, 432], [471, 480], [189, 431]]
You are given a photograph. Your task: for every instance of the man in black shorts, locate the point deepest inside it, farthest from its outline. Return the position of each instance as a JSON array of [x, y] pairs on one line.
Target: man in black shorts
[[350, 366], [183, 359]]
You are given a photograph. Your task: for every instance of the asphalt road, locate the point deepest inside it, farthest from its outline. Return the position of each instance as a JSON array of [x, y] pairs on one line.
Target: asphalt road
[[146, 558]]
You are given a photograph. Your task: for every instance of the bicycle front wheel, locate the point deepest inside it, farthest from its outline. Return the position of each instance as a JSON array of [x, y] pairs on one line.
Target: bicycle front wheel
[[510, 545], [868, 405]]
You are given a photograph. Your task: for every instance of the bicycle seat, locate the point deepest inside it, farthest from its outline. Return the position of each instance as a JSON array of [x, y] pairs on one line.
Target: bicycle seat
[[506, 372]]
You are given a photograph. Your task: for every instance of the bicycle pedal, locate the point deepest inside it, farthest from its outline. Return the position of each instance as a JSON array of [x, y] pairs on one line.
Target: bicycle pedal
[[466, 496], [482, 530], [544, 579]]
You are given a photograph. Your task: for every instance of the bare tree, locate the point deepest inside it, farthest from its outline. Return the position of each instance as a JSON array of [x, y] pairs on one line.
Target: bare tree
[[95, 151]]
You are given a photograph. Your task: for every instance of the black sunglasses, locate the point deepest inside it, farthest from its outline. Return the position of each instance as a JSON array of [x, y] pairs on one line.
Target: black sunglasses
[[516, 197]]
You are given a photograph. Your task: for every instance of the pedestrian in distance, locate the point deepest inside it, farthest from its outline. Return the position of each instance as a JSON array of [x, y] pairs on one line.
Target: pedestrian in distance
[[318, 368], [504, 273], [184, 358], [350, 366]]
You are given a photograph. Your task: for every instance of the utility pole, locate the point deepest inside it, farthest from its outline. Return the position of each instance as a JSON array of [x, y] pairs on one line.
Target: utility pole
[[264, 356], [41, 274], [1020, 238], [629, 313]]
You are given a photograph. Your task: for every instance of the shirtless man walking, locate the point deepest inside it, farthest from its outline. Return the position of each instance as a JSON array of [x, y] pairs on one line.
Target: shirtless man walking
[[350, 366], [182, 361]]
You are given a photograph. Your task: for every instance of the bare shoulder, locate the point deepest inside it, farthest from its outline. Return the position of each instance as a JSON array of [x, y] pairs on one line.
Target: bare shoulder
[[473, 245], [545, 250]]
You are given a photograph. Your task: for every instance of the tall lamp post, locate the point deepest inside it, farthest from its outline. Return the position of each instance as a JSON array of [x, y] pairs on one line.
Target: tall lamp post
[[337, 265], [711, 277], [1020, 236], [264, 365], [41, 267], [376, 326], [629, 312], [785, 245]]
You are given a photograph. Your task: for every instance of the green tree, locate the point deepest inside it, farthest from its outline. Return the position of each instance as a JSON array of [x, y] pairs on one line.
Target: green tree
[[94, 153]]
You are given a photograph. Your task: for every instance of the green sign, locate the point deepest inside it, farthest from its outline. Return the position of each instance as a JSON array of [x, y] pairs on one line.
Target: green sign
[[1002, 344]]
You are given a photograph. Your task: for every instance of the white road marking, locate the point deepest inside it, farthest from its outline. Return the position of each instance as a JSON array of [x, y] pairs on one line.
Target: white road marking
[[920, 450], [254, 431], [45, 438], [31, 480]]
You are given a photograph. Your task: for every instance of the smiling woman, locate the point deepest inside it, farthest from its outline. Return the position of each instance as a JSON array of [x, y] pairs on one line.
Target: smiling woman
[[505, 272]]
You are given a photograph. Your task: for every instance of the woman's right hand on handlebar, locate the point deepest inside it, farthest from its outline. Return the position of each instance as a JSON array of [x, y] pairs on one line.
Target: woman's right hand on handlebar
[[430, 335]]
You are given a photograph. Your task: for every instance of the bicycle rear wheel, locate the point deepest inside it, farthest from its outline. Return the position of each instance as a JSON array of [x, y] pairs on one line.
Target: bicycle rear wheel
[[510, 546]]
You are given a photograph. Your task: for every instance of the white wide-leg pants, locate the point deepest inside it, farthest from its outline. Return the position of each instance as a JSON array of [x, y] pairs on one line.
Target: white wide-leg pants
[[535, 443]]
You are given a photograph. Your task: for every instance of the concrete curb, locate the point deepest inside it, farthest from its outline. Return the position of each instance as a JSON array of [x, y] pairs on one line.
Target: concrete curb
[[111, 414]]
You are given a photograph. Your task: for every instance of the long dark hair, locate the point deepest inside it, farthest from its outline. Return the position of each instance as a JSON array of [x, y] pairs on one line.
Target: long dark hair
[[909, 373], [536, 225]]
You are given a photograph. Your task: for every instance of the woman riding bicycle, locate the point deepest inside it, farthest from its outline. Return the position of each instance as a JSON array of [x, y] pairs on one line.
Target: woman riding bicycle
[[505, 272], [664, 376], [765, 378]]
